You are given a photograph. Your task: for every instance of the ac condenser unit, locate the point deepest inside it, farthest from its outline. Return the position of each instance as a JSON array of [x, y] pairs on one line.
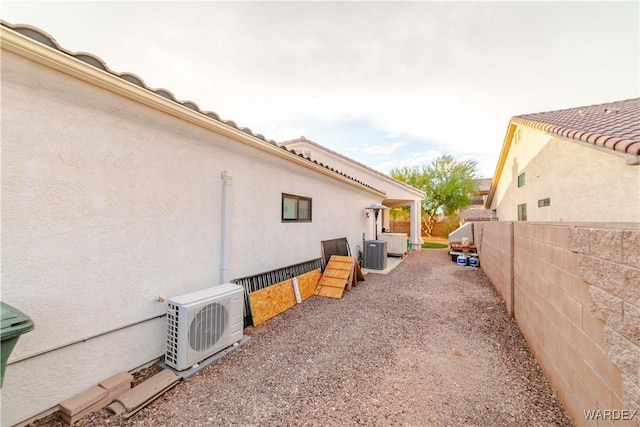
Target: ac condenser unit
[[202, 323], [375, 254]]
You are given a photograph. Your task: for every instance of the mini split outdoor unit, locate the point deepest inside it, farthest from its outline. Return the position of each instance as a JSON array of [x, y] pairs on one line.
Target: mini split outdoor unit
[[202, 323]]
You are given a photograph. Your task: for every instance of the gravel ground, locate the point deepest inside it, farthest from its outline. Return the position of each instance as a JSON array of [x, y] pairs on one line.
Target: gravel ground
[[429, 344]]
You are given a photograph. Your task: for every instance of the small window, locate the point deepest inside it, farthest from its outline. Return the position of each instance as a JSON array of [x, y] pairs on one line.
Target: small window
[[544, 202], [522, 212], [296, 208], [521, 180]]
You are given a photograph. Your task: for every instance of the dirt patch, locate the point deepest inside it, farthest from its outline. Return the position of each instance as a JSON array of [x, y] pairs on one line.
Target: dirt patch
[[428, 344]]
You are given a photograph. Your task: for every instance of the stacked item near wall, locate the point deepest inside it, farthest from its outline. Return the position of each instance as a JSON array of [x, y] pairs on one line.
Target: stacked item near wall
[[461, 246], [341, 272]]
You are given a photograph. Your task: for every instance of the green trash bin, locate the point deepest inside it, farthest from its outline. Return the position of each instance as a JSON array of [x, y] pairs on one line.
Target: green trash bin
[[14, 324]]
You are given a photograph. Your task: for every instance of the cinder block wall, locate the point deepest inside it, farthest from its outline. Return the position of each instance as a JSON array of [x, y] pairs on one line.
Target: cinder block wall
[[495, 246], [576, 298]]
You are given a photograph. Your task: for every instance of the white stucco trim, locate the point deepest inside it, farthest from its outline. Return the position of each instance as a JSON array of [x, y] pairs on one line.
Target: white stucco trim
[[37, 52]]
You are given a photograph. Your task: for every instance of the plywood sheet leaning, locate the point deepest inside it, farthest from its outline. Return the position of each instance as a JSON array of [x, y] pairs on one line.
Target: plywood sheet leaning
[[308, 282], [339, 274], [271, 301]]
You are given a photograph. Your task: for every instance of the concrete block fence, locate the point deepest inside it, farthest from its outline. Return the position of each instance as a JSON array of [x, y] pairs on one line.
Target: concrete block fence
[[574, 290]]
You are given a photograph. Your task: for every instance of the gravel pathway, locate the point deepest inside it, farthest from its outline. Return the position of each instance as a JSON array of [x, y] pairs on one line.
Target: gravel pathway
[[429, 344]]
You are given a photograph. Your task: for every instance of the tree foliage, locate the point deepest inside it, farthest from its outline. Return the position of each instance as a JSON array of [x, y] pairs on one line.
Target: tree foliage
[[447, 182]]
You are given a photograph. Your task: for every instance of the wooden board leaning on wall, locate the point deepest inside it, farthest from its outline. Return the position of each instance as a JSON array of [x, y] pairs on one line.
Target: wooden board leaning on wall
[[275, 299]]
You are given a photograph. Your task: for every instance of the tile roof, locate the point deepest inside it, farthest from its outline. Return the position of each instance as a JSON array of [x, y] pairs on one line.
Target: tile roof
[[483, 185], [335, 153], [42, 37], [476, 214], [614, 126]]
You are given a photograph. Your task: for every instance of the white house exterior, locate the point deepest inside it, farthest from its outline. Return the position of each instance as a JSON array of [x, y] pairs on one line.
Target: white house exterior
[[579, 164], [116, 197], [397, 193]]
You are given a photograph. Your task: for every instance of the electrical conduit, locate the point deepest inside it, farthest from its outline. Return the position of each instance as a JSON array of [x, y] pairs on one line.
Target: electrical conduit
[[225, 234]]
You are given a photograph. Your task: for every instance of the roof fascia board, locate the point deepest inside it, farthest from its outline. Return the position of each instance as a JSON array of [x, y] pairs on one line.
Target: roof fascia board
[[506, 145], [67, 64], [359, 165]]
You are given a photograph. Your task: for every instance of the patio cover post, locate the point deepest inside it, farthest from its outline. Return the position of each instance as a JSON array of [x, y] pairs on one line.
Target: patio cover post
[[416, 214]]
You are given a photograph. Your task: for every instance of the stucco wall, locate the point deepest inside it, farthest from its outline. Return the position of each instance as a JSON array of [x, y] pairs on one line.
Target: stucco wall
[[583, 183], [397, 194], [108, 204], [393, 189], [576, 298]]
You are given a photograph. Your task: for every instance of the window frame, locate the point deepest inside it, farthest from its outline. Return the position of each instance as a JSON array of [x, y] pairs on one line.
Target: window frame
[[522, 212], [286, 202], [521, 184], [543, 203]]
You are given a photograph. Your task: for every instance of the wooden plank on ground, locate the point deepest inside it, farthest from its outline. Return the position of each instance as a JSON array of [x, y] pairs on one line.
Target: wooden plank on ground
[[308, 282], [271, 301]]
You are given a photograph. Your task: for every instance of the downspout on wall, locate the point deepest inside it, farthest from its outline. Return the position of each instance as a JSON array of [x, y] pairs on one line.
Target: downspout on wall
[[225, 232]]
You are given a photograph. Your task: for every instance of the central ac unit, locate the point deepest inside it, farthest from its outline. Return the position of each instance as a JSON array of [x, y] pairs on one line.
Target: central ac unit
[[202, 323], [375, 254]]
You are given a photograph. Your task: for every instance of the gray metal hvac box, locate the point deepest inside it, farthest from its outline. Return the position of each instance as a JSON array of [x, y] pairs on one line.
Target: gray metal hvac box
[[375, 254]]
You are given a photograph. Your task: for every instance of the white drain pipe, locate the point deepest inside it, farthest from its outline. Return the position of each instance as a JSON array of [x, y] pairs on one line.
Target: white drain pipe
[[225, 232]]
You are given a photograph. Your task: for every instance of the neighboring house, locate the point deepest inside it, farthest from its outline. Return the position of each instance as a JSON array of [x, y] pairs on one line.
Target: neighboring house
[[397, 193], [116, 197], [578, 164], [476, 210]]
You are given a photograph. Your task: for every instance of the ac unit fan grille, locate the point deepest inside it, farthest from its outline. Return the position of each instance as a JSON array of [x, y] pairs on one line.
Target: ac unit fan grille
[[208, 326]]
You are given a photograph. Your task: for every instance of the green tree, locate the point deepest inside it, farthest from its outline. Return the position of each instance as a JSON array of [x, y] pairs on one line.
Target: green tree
[[447, 182]]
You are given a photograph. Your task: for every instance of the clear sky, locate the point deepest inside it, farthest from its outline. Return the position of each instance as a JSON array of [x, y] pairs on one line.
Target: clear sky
[[385, 83]]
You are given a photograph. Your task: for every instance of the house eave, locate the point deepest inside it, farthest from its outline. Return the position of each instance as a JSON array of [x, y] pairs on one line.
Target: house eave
[[25, 47], [633, 160], [630, 159], [506, 145], [402, 185]]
